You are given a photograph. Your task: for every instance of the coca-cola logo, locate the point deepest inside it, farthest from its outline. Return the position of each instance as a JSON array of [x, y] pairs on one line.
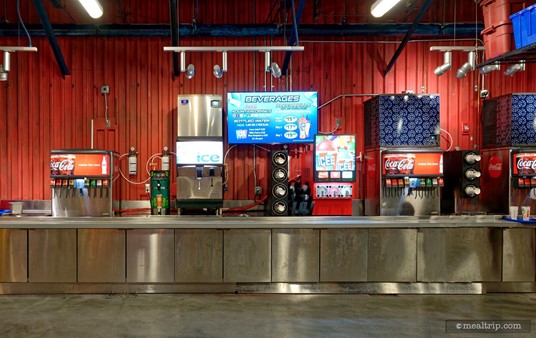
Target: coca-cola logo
[[403, 164], [495, 167], [64, 165], [526, 164]]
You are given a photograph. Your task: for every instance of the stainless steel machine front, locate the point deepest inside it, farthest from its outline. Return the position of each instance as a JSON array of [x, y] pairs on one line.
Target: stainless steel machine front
[[199, 153], [81, 182], [403, 181]]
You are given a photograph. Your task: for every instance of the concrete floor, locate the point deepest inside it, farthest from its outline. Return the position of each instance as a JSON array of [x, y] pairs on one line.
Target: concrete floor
[[150, 315]]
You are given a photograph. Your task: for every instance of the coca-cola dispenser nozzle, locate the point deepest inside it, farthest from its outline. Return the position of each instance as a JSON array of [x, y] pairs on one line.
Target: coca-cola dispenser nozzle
[[472, 158]]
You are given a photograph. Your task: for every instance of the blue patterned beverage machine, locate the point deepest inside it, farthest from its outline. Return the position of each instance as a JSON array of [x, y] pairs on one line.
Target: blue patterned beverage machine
[[509, 154], [404, 164], [402, 120]]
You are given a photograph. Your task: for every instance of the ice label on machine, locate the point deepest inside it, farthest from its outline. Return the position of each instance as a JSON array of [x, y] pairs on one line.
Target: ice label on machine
[[524, 164]]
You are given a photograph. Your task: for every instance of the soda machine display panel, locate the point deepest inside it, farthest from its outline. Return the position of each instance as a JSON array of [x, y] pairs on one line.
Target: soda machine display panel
[[412, 164], [93, 165], [334, 158]]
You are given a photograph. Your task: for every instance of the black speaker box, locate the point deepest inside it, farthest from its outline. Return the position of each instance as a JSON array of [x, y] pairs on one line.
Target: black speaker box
[[278, 187]]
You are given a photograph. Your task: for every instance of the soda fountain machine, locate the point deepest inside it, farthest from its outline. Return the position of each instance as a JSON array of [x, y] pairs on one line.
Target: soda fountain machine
[[509, 154], [508, 178], [81, 182], [461, 194], [199, 154], [403, 161], [408, 182]]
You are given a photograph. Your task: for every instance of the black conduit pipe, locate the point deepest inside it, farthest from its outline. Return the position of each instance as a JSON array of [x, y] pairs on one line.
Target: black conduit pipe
[[173, 6], [51, 37]]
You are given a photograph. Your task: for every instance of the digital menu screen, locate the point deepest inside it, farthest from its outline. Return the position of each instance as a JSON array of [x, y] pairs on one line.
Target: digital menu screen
[[334, 158], [272, 117]]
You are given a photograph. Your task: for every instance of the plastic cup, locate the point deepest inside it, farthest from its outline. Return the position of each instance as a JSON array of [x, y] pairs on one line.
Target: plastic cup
[[16, 208], [525, 212], [514, 211]]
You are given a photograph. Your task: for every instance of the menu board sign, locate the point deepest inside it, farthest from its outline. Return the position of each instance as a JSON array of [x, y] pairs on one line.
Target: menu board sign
[[272, 117], [334, 158], [412, 164], [80, 165]]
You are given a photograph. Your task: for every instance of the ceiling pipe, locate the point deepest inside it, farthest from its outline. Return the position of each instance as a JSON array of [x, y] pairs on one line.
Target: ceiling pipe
[[173, 14], [51, 37], [155, 30], [408, 36], [297, 15]]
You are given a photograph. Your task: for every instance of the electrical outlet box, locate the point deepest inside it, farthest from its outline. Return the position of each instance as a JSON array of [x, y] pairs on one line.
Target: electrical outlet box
[[147, 188], [258, 190], [105, 89], [466, 128]]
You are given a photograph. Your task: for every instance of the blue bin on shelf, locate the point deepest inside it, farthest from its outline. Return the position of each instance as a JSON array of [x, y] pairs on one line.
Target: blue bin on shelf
[[524, 24]]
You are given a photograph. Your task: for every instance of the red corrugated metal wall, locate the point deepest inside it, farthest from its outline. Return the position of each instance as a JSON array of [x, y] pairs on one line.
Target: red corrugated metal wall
[[40, 111]]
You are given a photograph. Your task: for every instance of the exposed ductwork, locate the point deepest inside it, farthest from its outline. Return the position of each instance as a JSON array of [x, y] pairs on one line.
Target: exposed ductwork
[[189, 31]]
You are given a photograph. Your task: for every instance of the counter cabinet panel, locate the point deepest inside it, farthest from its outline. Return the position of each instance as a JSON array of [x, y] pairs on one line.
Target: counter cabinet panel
[[52, 255], [13, 255], [519, 261], [247, 255], [150, 256], [460, 255], [392, 255], [343, 255], [198, 256], [101, 256], [295, 255]]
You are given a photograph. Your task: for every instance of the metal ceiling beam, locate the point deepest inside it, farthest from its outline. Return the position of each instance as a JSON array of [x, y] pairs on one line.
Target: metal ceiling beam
[[173, 8], [294, 37], [189, 31], [51, 37], [407, 37]]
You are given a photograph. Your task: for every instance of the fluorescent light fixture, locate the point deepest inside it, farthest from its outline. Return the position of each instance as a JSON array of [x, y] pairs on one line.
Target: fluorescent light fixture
[[490, 68], [380, 7], [447, 60], [276, 71], [92, 7], [7, 59], [466, 67], [183, 62], [190, 71], [267, 59], [515, 68]]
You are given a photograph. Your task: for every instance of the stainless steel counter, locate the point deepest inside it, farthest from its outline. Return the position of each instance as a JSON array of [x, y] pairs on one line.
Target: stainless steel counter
[[215, 222], [442, 254]]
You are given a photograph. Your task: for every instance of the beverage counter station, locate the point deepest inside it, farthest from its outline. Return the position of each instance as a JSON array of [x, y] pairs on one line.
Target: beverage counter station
[[190, 254]]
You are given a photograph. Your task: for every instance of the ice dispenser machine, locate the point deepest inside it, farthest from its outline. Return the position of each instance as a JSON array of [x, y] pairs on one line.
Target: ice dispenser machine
[[199, 153]]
